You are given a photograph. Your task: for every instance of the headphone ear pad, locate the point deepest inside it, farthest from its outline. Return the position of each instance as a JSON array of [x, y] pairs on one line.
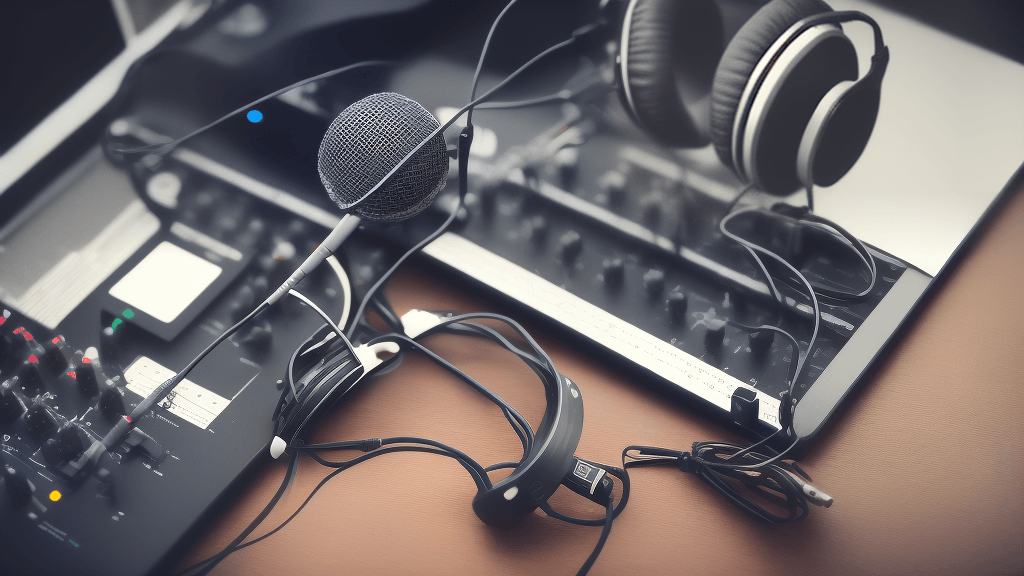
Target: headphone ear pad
[[667, 62], [745, 50], [838, 132]]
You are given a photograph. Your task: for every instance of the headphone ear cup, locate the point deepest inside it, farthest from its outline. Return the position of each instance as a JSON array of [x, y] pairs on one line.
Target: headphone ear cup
[[742, 55], [838, 132], [667, 58]]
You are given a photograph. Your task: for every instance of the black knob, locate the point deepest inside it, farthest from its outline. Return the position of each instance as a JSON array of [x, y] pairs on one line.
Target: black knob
[[714, 336], [614, 186], [570, 246], [30, 376], [57, 355], [39, 423], [677, 305], [19, 489], [650, 209], [10, 406], [111, 405], [761, 341], [654, 282], [567, 161], [84, 373], [538, 227], [70, 442], [21, 342], [614, 270]]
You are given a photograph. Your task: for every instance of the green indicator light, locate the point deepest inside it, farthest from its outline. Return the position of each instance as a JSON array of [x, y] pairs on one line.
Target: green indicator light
[[73, 543], [128, 314], [117, 322]]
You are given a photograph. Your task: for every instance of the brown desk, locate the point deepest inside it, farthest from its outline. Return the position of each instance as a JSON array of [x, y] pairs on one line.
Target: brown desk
[[926, 464]]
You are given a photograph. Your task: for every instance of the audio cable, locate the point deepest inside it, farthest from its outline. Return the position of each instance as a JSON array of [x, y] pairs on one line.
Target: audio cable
[[780, 486]]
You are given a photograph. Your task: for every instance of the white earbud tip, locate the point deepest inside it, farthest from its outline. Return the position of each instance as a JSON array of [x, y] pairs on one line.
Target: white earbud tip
[[277, 447]]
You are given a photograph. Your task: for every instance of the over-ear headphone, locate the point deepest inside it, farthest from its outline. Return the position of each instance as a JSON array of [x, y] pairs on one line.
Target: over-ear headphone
[[786, 107], [324, 368]]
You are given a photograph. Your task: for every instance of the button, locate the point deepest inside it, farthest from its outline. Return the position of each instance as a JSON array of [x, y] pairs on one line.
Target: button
[[715, 335], [570, 246], [163, 188], [654, 282], [761, 341], [614, 270], [511, 493], [677, 303]]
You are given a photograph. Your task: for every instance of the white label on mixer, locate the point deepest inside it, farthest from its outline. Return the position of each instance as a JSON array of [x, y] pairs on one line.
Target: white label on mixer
[[188, 400]]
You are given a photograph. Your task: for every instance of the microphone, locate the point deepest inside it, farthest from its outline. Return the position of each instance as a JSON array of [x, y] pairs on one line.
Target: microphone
[[363, 145]]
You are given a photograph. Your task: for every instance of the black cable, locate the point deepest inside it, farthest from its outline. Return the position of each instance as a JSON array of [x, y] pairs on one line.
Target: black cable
[[164, 148], [462, 185], [483, 54], [472, 466], [160, 391], [511, 414], [777, 482], [609, 516], [232, 548], [210, 563]]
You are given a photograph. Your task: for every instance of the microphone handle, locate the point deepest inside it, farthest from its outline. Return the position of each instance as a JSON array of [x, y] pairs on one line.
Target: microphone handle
[[343, 230]]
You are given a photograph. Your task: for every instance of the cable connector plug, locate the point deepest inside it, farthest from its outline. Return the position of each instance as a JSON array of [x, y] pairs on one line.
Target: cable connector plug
[[589, 480], [814, 496]]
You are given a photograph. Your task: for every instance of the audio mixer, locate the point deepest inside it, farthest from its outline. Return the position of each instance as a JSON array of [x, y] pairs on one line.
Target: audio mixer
[[574, 217]]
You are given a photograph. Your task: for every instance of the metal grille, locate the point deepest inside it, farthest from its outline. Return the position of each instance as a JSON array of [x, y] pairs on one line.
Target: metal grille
[[366, 141]]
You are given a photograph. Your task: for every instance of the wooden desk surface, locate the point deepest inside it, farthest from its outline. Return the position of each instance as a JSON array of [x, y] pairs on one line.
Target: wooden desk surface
[[926, 463]]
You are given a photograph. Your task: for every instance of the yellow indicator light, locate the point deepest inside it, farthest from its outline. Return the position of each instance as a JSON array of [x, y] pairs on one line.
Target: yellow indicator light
[[55, 495]]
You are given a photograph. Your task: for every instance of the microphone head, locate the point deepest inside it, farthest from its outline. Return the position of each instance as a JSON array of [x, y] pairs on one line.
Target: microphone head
[[366, 141]]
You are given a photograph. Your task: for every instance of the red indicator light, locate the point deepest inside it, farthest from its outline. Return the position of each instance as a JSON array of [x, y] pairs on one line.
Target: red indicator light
[[2, 320], [56, 340], [32, 358], [128, 418], [86, 360], [19, 329], [28, 335], [73, 375]]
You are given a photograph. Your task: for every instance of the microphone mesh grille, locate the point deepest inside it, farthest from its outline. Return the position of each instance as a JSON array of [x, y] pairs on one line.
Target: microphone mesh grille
[[366, 141]]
